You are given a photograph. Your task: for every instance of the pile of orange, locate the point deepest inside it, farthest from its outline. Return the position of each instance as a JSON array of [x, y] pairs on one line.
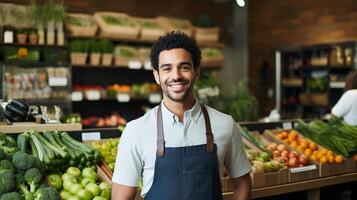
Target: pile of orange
[[309, 148]]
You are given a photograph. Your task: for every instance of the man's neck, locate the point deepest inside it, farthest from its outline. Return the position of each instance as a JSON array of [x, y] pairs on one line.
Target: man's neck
[[179, 108]]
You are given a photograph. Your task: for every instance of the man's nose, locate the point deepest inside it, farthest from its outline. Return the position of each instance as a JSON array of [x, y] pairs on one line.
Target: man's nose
[[176, 73]]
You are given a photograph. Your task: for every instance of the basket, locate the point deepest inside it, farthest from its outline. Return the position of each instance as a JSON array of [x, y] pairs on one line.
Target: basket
[[150, 29], [206, 34], [76, 30], [128, 30], [174, 24]]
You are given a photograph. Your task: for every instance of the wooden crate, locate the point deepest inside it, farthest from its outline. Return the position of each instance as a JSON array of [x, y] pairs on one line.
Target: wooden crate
[[117, 31], [304, 173], [351, 165], [206, 34], [175, 24], [81, 30], [150, 34], [326, 169]]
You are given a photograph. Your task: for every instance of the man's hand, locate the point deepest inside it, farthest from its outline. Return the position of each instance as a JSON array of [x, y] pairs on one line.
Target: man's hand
[[122, 192], [242, 187]]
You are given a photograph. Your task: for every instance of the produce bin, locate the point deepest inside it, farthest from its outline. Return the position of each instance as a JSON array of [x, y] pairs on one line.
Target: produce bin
[[206, 34], [117, 25], [308, 172], [150, 29], [79, 24], [175, 24], [325, 169]]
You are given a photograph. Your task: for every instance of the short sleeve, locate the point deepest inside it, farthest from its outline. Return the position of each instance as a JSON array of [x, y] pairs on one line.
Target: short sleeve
[[236, 160], [342, 106], [128, 164]]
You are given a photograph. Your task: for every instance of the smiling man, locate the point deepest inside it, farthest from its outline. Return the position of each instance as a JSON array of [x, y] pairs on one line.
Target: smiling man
[[180, 147]]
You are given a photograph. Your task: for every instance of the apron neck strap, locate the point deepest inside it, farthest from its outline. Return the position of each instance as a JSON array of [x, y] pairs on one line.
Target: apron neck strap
[[209, 135], [160, 132]]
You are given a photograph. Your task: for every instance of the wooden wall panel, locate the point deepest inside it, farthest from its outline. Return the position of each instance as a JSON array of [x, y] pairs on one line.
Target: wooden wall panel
[[289, 23]]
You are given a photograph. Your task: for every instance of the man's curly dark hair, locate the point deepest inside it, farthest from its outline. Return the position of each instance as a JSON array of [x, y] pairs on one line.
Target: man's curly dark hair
[[174, 40]]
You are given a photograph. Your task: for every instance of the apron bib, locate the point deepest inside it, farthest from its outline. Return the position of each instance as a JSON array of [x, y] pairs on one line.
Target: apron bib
[[186, 173]]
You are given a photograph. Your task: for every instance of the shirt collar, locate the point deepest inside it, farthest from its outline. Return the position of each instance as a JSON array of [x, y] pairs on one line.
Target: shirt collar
[[194, 113]]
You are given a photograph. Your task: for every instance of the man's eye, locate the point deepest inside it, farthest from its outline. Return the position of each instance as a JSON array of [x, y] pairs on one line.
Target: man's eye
[[186, 67], [166, 69]]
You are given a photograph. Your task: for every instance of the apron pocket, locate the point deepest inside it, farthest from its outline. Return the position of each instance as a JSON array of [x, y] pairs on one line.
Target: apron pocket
[[198, 184]]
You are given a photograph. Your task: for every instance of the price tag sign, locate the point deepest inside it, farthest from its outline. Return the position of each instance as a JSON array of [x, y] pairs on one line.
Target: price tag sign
[[147, 65], [303, 169], [90, 136], [93, 95], [123, 97], [287, 125], [57, 81], [134, 64], [155, 98], [77, 96]]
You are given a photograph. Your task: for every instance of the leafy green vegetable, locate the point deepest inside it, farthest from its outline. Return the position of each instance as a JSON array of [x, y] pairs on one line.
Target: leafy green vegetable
[[335, 135]]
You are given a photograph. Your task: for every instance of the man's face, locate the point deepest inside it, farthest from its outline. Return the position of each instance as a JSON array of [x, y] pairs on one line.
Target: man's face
[[176, 75]]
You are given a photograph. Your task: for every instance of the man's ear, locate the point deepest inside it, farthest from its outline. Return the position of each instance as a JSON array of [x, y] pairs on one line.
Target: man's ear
[[156, 76]]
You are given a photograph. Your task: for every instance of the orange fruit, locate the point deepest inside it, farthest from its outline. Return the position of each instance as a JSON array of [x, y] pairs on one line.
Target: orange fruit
[[22, 53], [308, 152], [355, 157], [286, 140], [323, 151], [294, 144], [329, 153], [313, 157], [284, 134], [323, 160], [304, 144], [339, 159], [292, 137], [314, 152], [300, 149], [331, 159], [313, 146]]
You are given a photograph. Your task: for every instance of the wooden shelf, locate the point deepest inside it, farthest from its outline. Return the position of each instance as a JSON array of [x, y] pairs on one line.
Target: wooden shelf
[[34, 45], [114, 67], [298, 186], [23, 126], [144, 42]]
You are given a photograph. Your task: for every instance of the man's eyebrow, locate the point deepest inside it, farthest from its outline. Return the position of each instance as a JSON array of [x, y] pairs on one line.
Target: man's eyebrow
[[181, 63], [165, 65], [185, 63]]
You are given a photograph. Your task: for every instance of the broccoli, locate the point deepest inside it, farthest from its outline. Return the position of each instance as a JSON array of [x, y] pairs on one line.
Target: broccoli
[[6, 166], [11, 196], [46, 193], [23, 161], [7, 144], [25, 192], [19, 179], [7, 182], [33, 178]]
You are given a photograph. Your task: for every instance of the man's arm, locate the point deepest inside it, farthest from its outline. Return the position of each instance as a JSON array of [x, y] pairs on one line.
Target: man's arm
[[242, 187], [122, 192]]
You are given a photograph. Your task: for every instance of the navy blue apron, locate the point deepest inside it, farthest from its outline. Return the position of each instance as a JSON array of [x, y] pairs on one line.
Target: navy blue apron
[[186, 173]]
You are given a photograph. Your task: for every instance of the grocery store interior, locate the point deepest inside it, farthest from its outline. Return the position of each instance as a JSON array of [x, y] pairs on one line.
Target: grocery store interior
[[74, 73]]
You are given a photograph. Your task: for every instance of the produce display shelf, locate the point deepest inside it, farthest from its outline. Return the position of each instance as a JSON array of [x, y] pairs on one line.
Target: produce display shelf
[[20, 127], [142, 41], [34, 45], [298, 186]]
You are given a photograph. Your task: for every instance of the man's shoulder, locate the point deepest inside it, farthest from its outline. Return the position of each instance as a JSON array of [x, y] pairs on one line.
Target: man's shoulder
[[144, 122]]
